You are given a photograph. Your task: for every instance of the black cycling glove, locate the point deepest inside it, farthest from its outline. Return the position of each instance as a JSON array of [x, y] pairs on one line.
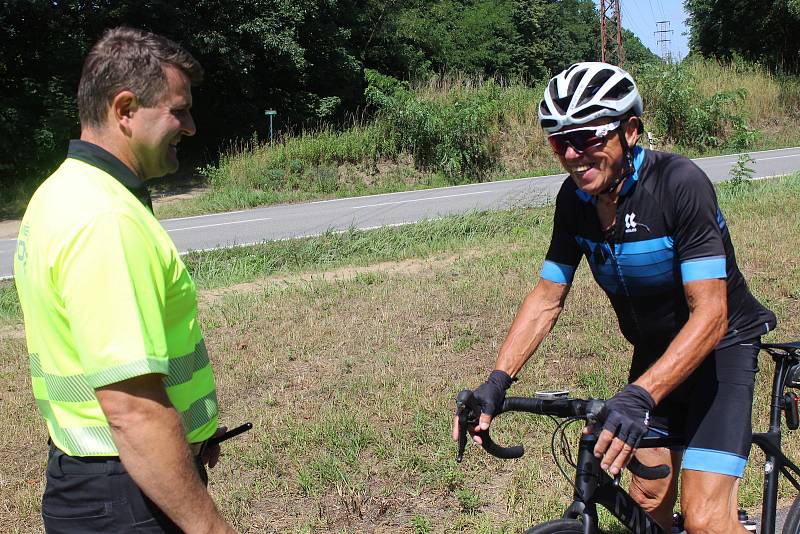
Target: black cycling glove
[[627, 414], [491, 394]]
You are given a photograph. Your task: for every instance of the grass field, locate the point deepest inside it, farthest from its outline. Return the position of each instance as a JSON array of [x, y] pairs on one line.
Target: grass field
[[346, 352]]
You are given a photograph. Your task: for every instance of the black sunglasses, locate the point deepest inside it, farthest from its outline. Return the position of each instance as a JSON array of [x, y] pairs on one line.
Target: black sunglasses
[[581, 139]]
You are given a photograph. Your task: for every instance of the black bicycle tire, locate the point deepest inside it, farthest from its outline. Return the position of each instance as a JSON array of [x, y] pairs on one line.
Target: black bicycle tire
[[792, 523], [557, 526]]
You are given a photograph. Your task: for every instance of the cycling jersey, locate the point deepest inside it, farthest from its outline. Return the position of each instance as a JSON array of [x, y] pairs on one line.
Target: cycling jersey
[[106, 297], [669, 231]]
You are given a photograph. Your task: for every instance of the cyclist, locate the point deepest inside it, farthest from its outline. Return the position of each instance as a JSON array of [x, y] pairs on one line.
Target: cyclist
[[651, 230]]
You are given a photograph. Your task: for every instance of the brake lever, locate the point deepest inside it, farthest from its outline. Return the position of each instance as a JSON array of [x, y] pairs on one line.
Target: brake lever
[[468, 413]]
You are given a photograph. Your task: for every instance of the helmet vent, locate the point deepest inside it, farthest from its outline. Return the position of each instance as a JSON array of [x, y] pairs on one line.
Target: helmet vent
[[574, 81], [622, 89], [561, 103], [595, 85], [548, 123], [588, 111]]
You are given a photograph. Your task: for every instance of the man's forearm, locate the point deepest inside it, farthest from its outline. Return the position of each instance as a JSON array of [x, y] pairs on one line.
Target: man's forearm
[[535, 318], [706, 325], [156, 455], [152, 446]]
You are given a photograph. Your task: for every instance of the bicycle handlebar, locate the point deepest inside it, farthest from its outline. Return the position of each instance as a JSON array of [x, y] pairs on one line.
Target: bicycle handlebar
[[468, 412]]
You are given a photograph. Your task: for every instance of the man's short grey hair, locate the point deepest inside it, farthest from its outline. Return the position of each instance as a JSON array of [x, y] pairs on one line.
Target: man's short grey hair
[[133, 60]]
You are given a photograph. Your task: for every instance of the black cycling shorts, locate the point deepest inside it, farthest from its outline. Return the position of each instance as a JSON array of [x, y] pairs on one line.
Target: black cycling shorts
[[711, 409]]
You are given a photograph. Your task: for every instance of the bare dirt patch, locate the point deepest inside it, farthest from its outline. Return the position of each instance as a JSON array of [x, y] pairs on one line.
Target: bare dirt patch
[[12, 332], [424, 267]]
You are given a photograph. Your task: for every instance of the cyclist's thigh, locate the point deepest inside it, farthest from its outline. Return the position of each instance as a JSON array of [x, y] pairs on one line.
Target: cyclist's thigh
[[718, 426]]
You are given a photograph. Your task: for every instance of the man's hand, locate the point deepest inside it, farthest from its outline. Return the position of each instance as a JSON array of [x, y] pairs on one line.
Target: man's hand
[[626, 418], [152, 446], [210, 454], [490, 396]]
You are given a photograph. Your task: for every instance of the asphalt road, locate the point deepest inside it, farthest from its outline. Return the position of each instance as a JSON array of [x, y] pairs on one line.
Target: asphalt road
[[298, 220]]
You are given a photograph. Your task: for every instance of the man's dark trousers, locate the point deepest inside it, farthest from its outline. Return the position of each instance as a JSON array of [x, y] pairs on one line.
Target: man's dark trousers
[[97, 495]]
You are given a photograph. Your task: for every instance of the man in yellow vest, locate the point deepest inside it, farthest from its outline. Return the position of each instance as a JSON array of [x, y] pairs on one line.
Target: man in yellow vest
[[118, 364]]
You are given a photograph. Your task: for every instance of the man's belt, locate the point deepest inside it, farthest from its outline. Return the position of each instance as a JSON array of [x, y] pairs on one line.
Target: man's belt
[[197, 448]]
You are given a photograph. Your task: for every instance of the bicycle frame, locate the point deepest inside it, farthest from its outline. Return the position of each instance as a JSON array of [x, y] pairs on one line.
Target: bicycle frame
[[593, 486], [770, 443]]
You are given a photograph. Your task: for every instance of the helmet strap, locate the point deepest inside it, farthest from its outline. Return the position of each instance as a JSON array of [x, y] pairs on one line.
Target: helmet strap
[[627, 156]]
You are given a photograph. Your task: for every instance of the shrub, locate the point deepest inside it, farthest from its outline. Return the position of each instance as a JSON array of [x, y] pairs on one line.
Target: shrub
[[678, 112]]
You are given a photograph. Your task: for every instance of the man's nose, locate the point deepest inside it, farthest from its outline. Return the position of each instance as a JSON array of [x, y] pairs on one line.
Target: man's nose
[[188, 127], [571, 153]]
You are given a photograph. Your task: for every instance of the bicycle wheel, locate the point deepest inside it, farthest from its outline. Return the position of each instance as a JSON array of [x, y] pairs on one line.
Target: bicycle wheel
[[792, 523], [557, 526]]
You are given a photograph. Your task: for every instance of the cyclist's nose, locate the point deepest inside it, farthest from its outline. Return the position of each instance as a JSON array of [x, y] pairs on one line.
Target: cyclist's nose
[[571, 153]]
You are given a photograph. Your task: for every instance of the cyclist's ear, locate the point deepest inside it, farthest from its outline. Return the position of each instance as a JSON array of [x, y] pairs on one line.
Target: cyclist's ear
[[633, 126]]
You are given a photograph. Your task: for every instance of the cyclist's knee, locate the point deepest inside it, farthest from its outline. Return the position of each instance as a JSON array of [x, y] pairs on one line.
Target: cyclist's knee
[[708, 503], [710, 522], [653, 495]]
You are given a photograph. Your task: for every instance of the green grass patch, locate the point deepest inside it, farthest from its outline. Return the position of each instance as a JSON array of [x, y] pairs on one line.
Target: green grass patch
[[10, 312], [224, 267]]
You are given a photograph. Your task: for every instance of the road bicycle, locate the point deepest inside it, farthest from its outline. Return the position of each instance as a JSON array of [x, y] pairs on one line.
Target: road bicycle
[[593, 486]]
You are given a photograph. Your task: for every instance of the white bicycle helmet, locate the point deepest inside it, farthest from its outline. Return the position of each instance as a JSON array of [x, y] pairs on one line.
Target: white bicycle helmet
[[586, 91]]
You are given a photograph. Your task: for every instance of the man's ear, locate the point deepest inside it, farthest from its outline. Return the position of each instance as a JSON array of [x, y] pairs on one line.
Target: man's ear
[[632, 130], [123, 106]]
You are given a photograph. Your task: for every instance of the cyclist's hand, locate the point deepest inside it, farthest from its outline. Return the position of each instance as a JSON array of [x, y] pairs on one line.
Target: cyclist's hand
[[625, 417], [490, 396]]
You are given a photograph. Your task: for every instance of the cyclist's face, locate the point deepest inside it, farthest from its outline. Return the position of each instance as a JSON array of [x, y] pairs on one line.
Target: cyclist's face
[[595, 169], [160, 128]]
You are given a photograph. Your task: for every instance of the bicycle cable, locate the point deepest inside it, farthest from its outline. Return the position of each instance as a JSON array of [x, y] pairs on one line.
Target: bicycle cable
[[565, 449]]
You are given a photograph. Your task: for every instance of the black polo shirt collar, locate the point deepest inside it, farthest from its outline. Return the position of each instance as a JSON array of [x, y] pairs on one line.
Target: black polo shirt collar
[[106, 161]]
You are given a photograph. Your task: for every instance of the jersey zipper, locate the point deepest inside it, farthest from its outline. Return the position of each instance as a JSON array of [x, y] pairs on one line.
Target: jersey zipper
[[611, 238]]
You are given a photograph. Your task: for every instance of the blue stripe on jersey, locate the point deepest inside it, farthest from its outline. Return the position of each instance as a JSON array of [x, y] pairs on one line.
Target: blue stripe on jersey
[[703, 269], [639, 268], [557, 272], [711, 461], [586, 197], [720, 219], [638, 158]]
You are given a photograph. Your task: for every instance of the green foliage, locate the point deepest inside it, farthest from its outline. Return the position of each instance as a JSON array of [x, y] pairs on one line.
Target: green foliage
[[677, 111], [742, 172], [10, 311], [455, 136], [420, 524], [304, 58], [469, 500], [757, 30]]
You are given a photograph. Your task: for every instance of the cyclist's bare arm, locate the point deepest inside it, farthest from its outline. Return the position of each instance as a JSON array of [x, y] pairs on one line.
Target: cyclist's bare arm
[[708, 322], [535, 318]]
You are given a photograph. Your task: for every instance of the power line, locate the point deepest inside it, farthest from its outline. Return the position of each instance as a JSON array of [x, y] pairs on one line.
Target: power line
[[662, 35], [651, 10]]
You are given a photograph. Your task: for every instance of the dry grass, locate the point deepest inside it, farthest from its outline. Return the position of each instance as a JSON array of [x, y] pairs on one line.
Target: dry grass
[[350, 382]]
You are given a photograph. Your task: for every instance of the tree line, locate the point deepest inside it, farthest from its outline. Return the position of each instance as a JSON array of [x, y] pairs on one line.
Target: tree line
[[306, 59], [764, 31], [303, 58]]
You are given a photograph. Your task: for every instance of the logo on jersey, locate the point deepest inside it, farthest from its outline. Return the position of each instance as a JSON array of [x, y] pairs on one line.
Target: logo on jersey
[[631, 224]]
